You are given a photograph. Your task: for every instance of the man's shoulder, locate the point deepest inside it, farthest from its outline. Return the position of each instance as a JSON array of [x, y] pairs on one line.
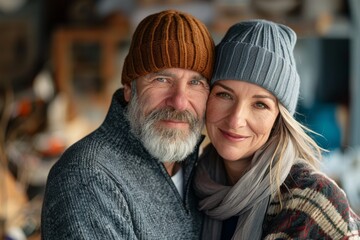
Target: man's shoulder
[[81, 157]]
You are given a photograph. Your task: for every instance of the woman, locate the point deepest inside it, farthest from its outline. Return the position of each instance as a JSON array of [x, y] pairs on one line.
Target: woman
[[259, 178]]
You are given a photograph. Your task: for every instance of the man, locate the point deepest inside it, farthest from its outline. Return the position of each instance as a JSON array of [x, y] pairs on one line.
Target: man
[[131, 178]]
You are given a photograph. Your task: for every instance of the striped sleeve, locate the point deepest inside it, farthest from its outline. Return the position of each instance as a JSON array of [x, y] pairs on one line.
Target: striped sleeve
[[313, 207]]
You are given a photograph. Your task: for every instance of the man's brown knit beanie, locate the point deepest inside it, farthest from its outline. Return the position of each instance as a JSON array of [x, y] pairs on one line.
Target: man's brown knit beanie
[[169, 39]]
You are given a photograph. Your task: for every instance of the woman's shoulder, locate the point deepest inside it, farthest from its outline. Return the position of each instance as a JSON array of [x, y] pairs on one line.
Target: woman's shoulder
[[208, 150], [306, 180], [311, 205], [314, 189]]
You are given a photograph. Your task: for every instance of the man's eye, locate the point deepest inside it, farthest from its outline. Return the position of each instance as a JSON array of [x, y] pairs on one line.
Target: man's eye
[[161, 79], [195, 82]]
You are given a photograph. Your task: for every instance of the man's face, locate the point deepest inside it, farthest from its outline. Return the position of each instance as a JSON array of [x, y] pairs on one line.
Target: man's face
[[167, 111]]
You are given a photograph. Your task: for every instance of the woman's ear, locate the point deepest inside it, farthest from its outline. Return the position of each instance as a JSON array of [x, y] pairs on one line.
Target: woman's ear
[[127, 91]]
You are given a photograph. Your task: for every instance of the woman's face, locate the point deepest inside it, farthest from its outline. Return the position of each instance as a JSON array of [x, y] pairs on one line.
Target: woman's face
[[239, 118]]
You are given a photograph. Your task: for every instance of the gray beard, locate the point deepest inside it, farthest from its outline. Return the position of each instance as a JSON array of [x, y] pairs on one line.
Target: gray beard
[[166, 144]]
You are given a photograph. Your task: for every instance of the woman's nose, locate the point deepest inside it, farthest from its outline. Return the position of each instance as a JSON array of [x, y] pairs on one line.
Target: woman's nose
[[237, 117]]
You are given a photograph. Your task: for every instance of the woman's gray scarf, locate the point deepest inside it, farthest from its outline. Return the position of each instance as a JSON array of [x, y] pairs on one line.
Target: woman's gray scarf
[[248, 198]]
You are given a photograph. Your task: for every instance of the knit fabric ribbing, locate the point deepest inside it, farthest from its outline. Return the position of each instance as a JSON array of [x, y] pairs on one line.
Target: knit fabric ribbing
[[169, 39], [107, 186], [260, 52]]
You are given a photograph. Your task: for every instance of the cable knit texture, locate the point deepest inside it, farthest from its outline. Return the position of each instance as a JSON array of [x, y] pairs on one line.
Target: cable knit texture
[[107, 186]]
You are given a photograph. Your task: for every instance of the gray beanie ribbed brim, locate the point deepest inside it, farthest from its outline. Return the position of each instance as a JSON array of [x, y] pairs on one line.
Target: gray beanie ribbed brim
[[260, 52]]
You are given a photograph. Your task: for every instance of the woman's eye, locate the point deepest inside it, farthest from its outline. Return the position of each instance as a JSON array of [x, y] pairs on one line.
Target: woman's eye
[[261, 105], [224, 95]]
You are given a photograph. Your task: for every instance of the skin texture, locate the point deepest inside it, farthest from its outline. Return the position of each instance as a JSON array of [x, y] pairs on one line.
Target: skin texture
[[239, 119], [177, 88]]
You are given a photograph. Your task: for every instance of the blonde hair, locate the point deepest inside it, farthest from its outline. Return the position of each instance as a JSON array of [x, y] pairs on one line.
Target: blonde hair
[[288, 129]]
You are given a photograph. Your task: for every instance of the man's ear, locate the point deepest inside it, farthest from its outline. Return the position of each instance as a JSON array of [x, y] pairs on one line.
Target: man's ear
[[127, 92]]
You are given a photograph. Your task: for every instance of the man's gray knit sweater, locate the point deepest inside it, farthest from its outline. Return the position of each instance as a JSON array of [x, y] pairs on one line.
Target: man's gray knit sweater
[[107, 186]]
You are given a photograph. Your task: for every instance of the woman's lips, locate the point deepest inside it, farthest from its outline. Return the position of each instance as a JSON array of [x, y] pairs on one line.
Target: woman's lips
[[233, 136]]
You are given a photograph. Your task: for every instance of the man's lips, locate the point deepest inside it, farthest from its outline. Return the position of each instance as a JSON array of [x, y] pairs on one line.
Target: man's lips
[[233, 136], [174, 123]]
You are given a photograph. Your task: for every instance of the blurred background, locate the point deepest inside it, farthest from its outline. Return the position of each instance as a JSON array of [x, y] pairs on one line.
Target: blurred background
[[61, 61]]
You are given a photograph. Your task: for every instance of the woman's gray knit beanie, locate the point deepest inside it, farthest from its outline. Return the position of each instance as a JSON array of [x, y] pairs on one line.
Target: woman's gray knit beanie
[[260, 52]]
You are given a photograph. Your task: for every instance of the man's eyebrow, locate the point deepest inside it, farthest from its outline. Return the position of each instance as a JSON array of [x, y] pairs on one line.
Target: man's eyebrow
[[200, 77], [170, 74], [163, 72]]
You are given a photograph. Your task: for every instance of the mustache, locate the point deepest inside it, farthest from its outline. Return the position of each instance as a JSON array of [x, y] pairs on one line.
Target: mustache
[[172, 114]]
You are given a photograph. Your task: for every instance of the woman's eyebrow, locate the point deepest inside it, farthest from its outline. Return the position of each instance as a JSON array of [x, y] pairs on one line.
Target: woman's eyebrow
[[224, 86], [255, 96], [265, 96]]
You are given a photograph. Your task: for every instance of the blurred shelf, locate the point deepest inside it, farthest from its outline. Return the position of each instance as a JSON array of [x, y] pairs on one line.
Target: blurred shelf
[[319, 26]]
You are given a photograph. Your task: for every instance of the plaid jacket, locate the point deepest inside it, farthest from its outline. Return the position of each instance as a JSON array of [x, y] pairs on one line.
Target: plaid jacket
[[314, 207]]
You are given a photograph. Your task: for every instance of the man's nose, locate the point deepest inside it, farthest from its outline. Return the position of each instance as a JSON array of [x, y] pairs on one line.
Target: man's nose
[[178, 98]]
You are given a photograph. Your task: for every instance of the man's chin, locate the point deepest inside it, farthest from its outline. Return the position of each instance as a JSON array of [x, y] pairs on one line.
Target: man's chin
[[171, 145]]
